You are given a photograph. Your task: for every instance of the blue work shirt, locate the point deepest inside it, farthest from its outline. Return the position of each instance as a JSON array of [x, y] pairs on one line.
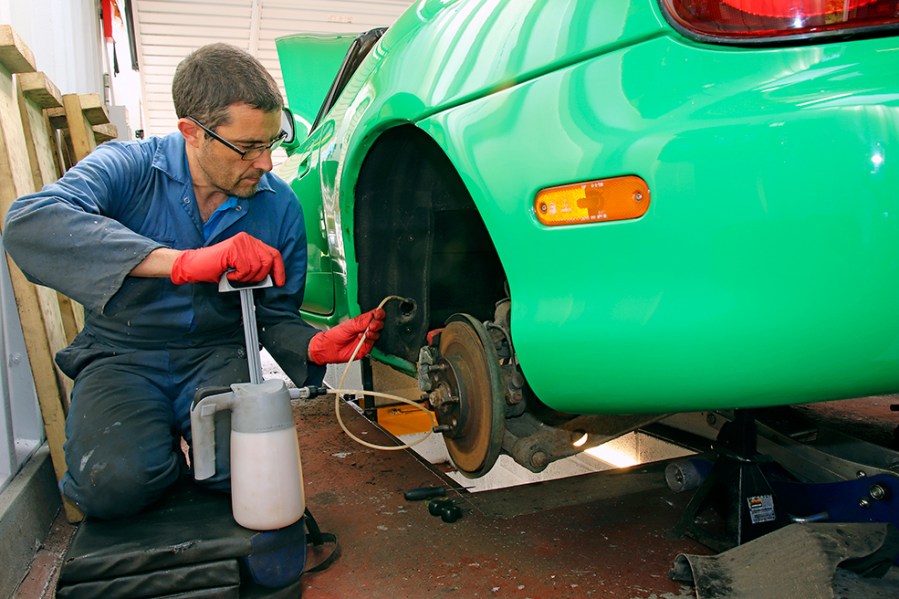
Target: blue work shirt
[[212, 222], [83, 234]]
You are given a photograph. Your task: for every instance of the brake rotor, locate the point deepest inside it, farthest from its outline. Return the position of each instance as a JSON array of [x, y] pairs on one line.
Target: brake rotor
[[474, 415]]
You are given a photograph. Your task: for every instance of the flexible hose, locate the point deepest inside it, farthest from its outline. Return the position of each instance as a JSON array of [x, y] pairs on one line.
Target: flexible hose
[[339, 391]]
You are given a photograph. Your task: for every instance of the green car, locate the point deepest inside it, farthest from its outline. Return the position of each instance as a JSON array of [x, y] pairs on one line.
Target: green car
[[606, 207]]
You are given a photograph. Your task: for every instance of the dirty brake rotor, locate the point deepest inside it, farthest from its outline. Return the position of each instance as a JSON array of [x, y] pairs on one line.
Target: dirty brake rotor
[[475, 411]]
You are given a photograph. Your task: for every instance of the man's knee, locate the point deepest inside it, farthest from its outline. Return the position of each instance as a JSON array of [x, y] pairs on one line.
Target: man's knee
[[118, 487]]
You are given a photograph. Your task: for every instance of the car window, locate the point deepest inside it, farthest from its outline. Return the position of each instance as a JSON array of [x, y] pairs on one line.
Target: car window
[[357, 51]]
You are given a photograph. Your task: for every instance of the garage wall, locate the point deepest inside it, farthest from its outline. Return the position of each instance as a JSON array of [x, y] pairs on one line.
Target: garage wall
[[65, 40], [168, 30]]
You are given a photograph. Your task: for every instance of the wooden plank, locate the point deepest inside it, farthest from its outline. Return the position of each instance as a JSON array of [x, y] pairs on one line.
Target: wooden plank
[[19, 181], [30, 300], [57, 337], [43, 155], [39, 136], [30, 145], [94, 109], [66, 150], [72, 314], [105, 132], [57, 117], [15, 56], [86, 125], [39, 89], [80, 132], [36, 312]]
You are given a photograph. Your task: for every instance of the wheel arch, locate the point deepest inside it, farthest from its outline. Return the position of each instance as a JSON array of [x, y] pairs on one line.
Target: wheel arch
[[418, 234]]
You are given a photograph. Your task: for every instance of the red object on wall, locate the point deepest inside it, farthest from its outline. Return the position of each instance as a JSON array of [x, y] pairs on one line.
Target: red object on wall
[[108, 12]]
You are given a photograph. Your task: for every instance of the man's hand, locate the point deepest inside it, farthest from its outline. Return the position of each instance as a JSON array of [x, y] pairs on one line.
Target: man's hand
[[249, 259], [336, 345]]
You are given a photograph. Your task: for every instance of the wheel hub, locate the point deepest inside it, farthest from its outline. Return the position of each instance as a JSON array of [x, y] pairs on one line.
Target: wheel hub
[[466, 393]]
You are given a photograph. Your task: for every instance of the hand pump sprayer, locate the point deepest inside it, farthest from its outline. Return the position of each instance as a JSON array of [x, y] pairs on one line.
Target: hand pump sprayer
[[266, 472]]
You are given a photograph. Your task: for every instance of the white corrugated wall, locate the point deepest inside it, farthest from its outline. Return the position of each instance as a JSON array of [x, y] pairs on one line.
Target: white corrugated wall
[[168, 30]]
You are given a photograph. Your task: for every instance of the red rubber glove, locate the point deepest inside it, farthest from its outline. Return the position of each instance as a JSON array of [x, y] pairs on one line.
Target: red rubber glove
[[249, 258], [336, 345]]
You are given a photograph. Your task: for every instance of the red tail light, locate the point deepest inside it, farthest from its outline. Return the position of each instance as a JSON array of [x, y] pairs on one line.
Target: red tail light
[[761, 20]]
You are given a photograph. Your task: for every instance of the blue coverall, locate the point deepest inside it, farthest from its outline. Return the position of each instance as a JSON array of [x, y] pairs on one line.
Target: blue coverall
[[147, 344]]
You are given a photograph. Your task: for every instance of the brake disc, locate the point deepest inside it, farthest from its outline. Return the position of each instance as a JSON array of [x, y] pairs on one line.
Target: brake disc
[[469, 396]]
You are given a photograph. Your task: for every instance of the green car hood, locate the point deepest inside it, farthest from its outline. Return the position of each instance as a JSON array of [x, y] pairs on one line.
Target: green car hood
[[309, 63]]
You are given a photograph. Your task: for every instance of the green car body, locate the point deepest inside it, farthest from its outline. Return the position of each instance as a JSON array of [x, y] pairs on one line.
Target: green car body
[[764, 272]]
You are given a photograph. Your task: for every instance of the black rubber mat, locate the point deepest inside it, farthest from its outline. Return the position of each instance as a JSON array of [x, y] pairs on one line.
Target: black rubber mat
[[799, 560], [187, 546]]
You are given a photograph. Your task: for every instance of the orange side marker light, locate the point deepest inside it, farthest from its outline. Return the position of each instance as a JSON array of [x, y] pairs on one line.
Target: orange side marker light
[[602, 200]]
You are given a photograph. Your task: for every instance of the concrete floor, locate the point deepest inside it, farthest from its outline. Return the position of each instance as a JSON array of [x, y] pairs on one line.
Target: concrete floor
[[568, 537], [605, 534]]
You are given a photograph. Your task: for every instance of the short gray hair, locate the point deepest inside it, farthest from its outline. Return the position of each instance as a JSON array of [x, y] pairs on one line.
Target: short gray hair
[[218, 75]]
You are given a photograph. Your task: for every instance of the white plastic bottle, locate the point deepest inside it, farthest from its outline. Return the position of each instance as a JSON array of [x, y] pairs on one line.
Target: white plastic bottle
[[266, 472], [266, 479]]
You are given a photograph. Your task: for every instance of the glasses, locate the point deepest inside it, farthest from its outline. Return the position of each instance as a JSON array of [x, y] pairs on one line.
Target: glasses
[[248, 154]]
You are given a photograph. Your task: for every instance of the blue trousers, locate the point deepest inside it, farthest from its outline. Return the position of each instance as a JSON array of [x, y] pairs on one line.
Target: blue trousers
[[128, 414]]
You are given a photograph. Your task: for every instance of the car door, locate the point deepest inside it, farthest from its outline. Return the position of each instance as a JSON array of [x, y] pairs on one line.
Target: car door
[[316, 68]]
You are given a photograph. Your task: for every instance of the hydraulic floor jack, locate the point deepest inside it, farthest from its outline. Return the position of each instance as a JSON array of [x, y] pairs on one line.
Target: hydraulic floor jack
[[767, 469]]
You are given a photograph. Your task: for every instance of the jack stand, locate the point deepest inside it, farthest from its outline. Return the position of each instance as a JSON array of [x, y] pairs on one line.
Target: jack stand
[[737, 488]]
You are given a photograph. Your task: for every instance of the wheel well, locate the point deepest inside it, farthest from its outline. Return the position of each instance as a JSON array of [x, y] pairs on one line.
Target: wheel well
[[418, 234]]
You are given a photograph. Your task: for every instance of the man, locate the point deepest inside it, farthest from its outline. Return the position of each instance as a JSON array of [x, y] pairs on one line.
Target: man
[[140, 233]]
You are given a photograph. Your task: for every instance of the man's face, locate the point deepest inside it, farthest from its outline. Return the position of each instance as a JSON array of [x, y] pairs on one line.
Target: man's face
[[224, 168]]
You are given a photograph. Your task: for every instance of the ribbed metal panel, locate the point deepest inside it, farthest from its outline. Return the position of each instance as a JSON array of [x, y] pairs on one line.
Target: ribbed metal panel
[[168, 30]]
